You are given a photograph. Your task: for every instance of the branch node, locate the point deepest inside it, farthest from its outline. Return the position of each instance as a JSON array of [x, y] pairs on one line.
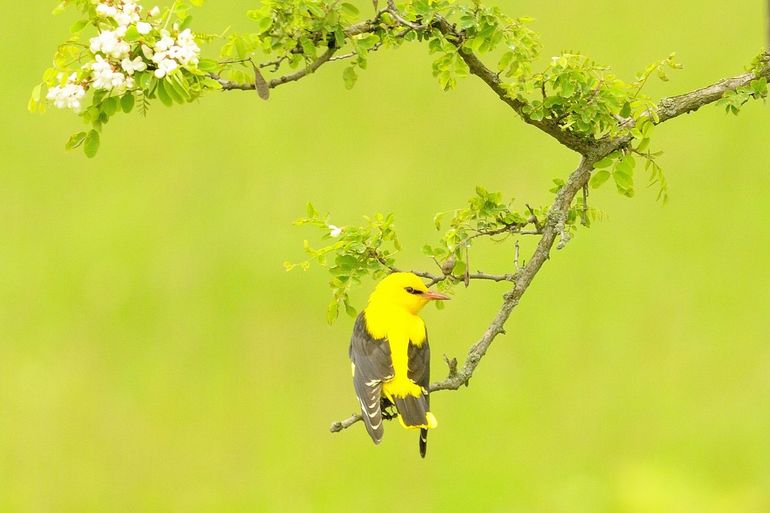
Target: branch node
[[452, 364], [533, 219]]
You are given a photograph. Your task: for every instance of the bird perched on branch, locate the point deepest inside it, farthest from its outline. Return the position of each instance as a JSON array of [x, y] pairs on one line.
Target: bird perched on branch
[[391, 358]]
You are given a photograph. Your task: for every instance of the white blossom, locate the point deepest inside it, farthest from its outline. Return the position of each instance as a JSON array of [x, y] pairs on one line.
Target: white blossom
[[143, 27], [186, 50], [165, 65], [67, 96], [110, 43], [106, 11], [154, 11], [131, 66], [169, 53], [334, 231], [104, 76], [165, 42], [124, 13]]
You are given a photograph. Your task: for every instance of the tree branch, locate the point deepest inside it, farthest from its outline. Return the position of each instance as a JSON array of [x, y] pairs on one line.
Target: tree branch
[[556, 216], [478, 68], [227, 85], [592, 150], [668, 108], [671, 107]]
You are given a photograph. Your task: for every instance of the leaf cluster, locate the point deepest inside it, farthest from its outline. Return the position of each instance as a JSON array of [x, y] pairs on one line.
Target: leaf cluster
[[349, 254]]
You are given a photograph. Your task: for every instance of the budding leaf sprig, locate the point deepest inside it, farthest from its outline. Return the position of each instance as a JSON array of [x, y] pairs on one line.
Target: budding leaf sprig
[[485, 216], [121, 54], [350, 254]]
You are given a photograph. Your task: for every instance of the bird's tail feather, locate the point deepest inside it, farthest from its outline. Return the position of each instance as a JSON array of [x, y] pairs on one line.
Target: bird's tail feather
[[413, 410], [423, 441]]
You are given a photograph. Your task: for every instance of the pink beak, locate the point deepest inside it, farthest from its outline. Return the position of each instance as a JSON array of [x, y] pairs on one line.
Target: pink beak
[[435, 296]]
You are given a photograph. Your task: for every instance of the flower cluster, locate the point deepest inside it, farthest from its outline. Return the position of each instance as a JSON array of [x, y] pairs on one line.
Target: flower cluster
[[129, 42], [168, 54], [67, 96]]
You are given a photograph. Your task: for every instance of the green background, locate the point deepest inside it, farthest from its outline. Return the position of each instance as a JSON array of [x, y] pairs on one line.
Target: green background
[[156, 357]]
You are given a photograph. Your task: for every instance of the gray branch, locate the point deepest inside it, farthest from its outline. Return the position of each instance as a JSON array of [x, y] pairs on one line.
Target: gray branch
[[228, 85], [674, 106], [592, 150], [556, 216]]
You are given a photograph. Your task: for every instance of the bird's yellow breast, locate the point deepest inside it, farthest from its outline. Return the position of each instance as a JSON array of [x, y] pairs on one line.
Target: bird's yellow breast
[[399, 327]]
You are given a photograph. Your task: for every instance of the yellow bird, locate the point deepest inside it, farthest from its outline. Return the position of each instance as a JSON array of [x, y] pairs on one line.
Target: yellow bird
[[391, 358]]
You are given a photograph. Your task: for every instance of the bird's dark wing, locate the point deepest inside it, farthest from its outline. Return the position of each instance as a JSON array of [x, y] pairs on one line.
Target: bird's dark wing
[[371, 366], [419, 372]]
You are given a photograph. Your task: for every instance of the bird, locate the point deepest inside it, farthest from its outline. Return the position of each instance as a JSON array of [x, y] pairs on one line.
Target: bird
[[390, 356]]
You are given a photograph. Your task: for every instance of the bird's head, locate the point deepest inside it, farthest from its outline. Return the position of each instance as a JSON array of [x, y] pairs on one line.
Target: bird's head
[[404, 290]]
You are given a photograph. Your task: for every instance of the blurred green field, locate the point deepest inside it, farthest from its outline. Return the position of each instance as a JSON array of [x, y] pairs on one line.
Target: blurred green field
[[156, 357]]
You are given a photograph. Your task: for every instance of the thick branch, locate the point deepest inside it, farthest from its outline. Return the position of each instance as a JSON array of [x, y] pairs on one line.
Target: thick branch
[[557, 215], [671, 107], [674, 106], [550, 126]]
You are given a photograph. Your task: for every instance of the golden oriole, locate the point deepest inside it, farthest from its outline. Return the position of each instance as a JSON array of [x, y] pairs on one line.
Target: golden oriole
[[391, 358]]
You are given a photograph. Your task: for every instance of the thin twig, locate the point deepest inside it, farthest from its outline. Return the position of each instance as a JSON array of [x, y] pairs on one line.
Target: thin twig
[[275, 82], [533, 218], [516, 256], [393, 11]]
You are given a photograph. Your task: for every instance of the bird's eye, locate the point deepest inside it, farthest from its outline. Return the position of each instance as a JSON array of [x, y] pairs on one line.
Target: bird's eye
[[412, 290]]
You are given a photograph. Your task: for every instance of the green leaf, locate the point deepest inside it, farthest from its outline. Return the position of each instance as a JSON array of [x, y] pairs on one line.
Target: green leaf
[[599, 178], [368, 42], [349, 10], [606, 161], [110, 105], [132, 34], [308, 48], [185, 23], [163, 95], [264, 24], [622, 180], [75, 140], [626, 110], [127, 102], [339, 38], [210, 83], [78, 26], [350, 77], [208, 65], [34, 99], [91, 144], [315, 10], [332, 312]]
